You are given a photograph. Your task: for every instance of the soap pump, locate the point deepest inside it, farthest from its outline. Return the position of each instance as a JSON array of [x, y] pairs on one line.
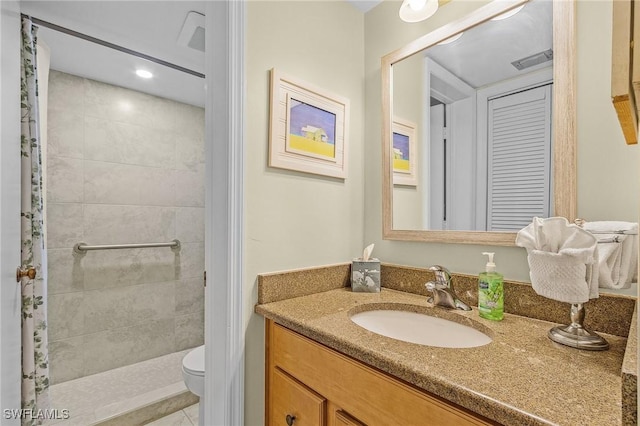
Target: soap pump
[[491, 291]]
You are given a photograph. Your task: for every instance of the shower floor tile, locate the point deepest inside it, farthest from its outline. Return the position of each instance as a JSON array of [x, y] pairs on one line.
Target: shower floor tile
[[101, 396]]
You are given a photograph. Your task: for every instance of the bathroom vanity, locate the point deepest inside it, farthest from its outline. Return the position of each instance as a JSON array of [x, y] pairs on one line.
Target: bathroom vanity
[[322, 368], [313, 384]]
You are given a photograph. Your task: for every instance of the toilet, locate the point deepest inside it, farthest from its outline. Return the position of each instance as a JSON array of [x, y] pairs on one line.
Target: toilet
[[193, 375]]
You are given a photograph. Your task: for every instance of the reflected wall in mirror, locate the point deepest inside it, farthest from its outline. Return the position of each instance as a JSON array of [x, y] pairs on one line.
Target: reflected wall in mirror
[[481, 92]]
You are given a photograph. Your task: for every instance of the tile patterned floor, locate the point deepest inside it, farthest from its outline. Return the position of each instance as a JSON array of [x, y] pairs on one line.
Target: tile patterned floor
[[186, 417]]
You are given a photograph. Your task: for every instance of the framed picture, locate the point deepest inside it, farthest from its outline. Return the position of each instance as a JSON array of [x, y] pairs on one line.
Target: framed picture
[[404, 153], [308, 128]]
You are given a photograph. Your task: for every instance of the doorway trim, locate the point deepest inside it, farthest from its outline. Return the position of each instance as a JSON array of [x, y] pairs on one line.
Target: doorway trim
[[10, 290], [224, 158], [460, 101]]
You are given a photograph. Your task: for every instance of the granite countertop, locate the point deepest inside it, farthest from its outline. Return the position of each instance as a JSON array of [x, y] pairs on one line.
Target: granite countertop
[[521, 377]]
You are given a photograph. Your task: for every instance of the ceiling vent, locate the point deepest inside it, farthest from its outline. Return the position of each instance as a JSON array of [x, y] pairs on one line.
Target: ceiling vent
[[534, 59], [192, 33]]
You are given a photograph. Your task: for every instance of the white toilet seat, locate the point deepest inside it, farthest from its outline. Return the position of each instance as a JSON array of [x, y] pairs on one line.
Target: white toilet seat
[[193, 375], [193, 362]]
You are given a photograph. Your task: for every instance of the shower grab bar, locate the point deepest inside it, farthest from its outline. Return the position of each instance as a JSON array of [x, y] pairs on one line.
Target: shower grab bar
[[83, 247]]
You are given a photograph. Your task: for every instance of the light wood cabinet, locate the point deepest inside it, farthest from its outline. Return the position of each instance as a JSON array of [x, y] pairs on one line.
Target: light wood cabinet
[[294, 403], [342, 418], [625, 67], [320, 386]]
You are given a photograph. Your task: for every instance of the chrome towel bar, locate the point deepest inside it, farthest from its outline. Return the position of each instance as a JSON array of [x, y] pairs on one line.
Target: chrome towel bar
[[83, 247]]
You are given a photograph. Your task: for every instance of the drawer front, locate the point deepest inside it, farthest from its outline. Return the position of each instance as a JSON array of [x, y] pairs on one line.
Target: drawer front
[[373, 397], [294, 404], [341, 418]]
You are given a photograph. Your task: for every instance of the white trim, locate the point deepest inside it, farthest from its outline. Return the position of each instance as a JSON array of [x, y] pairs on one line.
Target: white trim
[[433, 207], [461, 153], [10, 299], [527, 81], [224, 153], [454, 89], [455, 94]]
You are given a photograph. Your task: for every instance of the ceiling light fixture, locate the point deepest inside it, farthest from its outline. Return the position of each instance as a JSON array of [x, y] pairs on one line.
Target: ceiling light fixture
[[144, 74], [451, 39], [507, 14], [417, 10]]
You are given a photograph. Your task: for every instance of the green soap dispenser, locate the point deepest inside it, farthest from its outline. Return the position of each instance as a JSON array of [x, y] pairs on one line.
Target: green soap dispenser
[[491, 292]]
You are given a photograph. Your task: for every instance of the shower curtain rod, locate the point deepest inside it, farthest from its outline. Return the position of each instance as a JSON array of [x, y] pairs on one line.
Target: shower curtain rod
[[91, 39]]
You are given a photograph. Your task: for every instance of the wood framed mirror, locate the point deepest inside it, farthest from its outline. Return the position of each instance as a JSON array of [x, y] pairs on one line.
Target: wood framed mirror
[[442, 85]]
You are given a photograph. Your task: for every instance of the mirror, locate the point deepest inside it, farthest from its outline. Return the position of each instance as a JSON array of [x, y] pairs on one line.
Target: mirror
[[479, 135]]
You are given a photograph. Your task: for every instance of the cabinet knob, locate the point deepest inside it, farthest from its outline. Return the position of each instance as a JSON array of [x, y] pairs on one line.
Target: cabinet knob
[[290, 419]]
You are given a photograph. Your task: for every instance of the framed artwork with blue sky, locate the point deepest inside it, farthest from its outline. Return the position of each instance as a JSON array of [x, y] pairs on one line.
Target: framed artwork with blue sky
[[309, 128], [404, 153]]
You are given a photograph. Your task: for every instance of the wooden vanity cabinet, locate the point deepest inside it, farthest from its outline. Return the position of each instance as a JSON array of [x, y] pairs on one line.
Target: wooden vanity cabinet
[[310, 384], [292, 402], [342, 418]]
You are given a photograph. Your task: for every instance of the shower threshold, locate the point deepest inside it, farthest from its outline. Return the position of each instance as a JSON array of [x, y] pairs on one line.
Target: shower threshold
[[132, 395]]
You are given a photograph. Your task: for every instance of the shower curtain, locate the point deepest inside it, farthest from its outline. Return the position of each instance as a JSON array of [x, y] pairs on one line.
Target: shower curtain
[[35, 356]]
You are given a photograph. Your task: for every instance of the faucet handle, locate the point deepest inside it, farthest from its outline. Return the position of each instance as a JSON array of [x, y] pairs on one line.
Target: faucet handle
[[442, 274]]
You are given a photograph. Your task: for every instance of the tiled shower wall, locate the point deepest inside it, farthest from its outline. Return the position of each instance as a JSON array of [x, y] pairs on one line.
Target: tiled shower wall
[[122, 167]]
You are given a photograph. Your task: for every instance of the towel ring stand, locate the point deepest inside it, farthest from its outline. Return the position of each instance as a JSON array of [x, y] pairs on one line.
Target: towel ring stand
[[575, 335]]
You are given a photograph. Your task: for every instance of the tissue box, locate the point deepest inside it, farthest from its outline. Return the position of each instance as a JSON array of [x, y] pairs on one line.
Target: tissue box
[[365, 276]]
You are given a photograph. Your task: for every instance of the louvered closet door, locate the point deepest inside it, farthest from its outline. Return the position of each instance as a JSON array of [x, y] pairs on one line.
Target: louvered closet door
[[519, 159]]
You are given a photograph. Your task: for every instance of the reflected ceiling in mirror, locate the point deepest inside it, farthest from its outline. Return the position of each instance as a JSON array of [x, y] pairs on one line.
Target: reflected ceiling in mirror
[[482, 145], [484, 55], [478, 123]]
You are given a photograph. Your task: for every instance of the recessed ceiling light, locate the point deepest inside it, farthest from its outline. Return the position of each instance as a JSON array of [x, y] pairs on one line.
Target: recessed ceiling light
[[144, 73], [508, 14], [451, 39]]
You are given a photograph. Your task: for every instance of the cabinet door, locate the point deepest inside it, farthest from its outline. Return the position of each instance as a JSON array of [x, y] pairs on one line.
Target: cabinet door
[[373, 397], [294, 404]]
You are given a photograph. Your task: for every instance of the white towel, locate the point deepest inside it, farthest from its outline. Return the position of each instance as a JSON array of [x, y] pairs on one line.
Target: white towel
[[609, 259], [611, 227], [562, 259], [617, 252]]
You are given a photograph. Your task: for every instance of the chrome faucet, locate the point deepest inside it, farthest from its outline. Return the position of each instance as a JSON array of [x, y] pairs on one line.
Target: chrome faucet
[[442, 290]]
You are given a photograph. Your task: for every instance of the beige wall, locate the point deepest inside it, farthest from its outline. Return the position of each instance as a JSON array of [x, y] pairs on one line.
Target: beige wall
[[295, 219], [407, 105], [608, 182], [608, 174]]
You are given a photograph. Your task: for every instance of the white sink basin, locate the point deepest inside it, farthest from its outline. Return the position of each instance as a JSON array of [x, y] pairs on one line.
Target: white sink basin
[[421, 329]]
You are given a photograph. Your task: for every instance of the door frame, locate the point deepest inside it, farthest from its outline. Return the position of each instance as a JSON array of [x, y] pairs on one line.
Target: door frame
[[224, 164], [224, 152], [10, 290], [459, 99]]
